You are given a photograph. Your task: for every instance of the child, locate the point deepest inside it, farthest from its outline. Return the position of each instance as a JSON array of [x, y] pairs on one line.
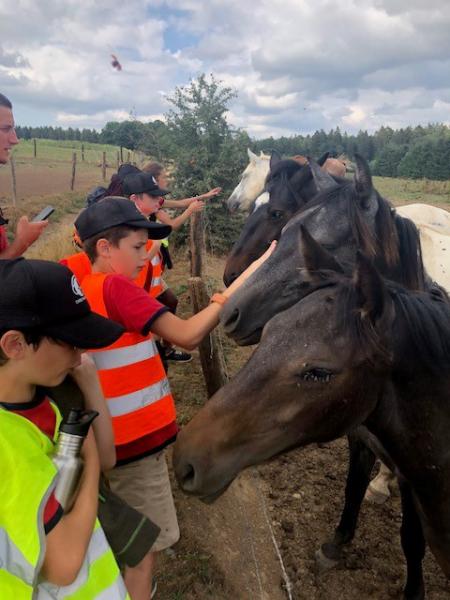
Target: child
[[44, 321], [114, 234]]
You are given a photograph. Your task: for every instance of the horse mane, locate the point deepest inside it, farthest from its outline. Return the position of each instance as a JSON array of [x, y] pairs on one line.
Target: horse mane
[[420, 335], [394, 246], [284, 169]]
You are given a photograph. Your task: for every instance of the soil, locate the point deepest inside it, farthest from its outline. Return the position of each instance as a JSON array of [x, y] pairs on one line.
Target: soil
[[226, 550]]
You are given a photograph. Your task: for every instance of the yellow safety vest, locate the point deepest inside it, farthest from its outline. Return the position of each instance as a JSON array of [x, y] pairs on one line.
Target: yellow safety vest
[[28, 478]]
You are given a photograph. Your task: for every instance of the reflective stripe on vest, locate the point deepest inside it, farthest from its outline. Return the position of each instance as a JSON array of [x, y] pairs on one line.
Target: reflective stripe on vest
[[13, 561], [132, 377], [95, 566], [156, 287]]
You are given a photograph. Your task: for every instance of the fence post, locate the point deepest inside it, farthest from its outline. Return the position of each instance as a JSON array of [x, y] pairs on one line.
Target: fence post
[[82, 152], [208, 347], [118, 160], [13, 181], [104, 166], [129, 157], [196, 244], [34, 148], [74, 167]]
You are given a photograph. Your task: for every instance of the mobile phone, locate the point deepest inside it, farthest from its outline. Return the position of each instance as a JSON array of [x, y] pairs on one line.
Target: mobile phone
[[44, 214]]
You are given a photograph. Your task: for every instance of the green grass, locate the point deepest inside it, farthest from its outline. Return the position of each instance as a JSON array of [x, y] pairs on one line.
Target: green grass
[[62, 150], [407, 191]]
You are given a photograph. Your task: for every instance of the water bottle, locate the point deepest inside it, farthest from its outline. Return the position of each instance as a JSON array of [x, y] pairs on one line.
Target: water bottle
[[67, 458]]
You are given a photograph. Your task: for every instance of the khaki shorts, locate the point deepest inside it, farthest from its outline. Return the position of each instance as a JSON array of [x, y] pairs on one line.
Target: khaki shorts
[[145, 485]]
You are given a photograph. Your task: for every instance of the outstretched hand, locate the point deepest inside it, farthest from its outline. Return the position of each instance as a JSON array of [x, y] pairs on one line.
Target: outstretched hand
[[196, 206], [211, 193], [28, 232]]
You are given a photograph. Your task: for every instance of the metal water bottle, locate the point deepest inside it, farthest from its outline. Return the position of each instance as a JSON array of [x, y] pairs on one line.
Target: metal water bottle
[[67, 456]]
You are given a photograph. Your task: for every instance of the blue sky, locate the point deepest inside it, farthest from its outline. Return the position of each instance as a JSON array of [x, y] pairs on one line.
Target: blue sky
[[298, 66]]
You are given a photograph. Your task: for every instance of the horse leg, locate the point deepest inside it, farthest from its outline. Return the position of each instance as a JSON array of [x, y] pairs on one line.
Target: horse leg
[[413, 544], [378, 491], [361, 463]]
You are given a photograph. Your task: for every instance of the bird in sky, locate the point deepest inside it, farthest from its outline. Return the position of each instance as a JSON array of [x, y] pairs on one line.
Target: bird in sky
[[115, 63]]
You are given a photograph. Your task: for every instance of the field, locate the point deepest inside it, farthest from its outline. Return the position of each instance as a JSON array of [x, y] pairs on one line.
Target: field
[[274, 516]]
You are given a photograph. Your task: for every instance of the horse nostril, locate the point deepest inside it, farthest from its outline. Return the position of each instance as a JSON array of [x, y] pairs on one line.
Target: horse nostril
[[187, 477]]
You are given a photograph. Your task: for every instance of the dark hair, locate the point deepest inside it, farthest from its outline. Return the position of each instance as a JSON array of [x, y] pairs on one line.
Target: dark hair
[[113, 235], [32, 336], [4, 101], [154, 169]]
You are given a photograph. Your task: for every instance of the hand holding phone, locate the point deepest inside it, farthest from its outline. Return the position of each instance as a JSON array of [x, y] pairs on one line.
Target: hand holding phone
[[44, 214]]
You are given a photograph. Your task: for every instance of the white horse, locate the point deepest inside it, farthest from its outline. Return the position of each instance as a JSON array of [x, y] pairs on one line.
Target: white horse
[[251, 184]]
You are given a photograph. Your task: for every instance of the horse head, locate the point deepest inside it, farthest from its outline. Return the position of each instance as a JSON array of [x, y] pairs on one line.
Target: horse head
[[251, 184], [309, 380]]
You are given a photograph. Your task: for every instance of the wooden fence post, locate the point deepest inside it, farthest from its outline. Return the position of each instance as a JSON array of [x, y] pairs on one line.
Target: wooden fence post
[[13, 181], [196, 244], [104, 166], [121, 155], [74, 167], [208, 347], [82, 152], [34, 148], [118, 160]]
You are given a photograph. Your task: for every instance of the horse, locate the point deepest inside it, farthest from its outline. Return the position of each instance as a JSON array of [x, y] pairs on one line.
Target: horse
[[262, 226], [344, 217], [252, 182], [354, 352], [289, 185]]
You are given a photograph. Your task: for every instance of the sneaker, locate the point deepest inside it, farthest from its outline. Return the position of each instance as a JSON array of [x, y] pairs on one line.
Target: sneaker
[[178, 356]]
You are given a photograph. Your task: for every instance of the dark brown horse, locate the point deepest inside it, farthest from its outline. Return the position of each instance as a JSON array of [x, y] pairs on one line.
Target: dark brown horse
[[290, 186], [352, 353]]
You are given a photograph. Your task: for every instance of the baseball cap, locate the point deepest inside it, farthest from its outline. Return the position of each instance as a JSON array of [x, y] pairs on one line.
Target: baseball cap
[[139, 183], [43, 295], [113, 211]]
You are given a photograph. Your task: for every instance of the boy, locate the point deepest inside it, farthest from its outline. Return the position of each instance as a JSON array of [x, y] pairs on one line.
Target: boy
[[114, 234], [44, 321]]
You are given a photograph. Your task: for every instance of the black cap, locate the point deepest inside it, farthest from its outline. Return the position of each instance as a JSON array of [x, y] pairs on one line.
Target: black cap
[[43, 295], [140, 183], [126, 169], [113, 211]]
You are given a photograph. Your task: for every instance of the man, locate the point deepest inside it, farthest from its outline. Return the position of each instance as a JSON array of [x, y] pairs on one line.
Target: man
[[26, 232]]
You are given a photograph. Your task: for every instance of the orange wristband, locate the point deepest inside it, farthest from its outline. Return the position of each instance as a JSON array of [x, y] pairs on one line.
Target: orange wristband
[[219, 298]]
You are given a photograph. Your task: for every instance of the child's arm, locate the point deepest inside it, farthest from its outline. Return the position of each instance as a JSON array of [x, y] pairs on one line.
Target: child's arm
[[86, 377], [185, 202], [67, 542], [177, 222], [188, 333]]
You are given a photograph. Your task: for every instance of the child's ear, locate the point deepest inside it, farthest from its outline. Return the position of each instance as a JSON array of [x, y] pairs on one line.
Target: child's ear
[[13, 344], [103, 247]]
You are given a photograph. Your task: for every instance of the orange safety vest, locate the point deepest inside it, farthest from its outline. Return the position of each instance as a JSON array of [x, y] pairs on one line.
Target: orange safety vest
[[132, 376], [156, 286], [79, 264]]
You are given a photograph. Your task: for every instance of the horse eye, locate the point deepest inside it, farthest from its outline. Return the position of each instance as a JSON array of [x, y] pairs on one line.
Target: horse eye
[[276, 214], [317, 375]]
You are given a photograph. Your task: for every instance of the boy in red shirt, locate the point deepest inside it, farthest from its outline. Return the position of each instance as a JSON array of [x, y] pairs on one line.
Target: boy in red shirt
[[114, 235]]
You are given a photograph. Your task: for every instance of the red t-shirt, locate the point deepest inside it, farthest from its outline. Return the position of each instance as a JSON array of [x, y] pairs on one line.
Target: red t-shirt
[[132, 307], [3, 238], [41, 414]]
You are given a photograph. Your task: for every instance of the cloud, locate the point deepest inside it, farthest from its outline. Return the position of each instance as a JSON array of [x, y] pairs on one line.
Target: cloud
[[297, 66]]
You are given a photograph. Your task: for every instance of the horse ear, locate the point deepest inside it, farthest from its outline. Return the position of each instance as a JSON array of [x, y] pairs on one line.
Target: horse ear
[[315, 256], [363, 180], [322, 179], [373, 294], [275, 158], [251, 155], [322, 159]]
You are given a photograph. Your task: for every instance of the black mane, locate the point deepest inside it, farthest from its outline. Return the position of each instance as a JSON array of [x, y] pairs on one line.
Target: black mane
[[420, 335]]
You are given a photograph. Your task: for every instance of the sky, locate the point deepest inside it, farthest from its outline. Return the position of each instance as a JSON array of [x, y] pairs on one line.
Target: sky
[[297, 65]]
